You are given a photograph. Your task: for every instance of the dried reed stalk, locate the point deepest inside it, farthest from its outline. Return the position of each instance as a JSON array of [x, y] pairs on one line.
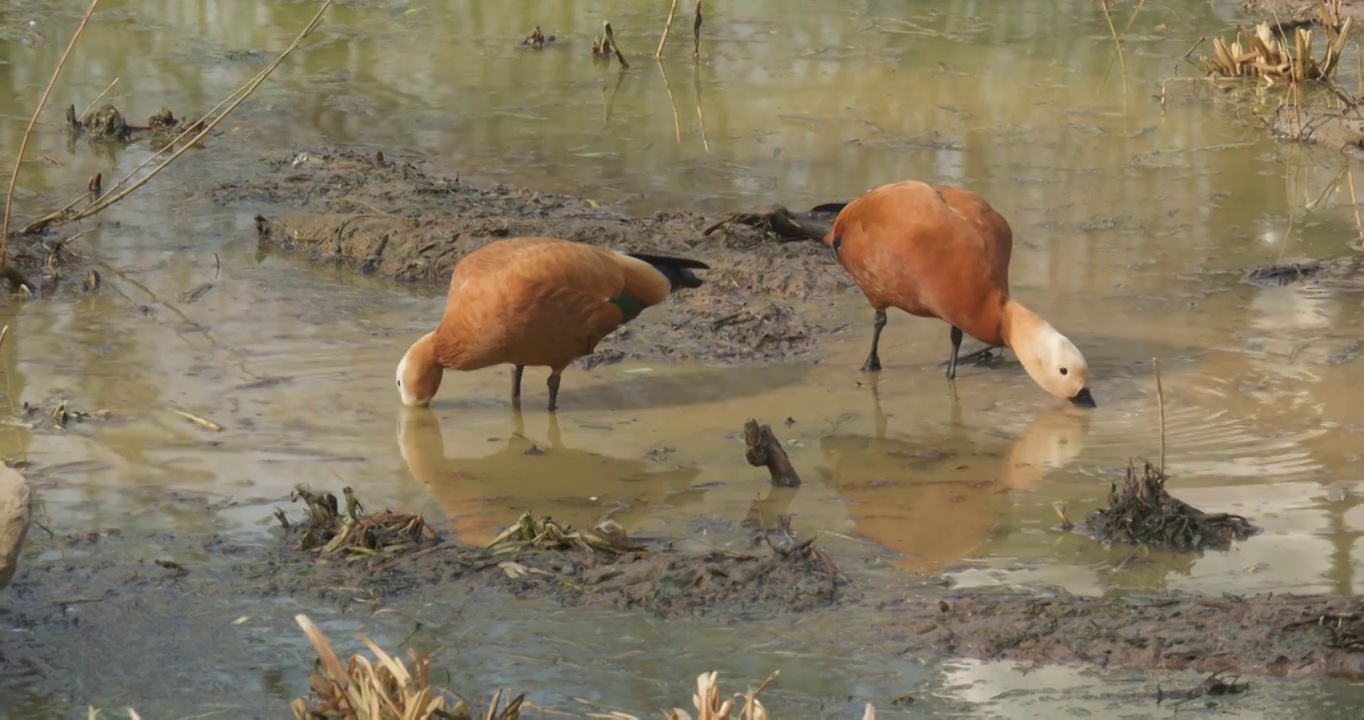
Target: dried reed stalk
[[666, 27]]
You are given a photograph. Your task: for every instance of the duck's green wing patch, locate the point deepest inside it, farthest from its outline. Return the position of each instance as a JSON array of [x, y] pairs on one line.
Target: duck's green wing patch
[[630, 306]]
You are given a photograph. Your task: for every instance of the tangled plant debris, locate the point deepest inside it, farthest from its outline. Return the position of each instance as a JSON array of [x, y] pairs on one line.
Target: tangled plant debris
[[354, 534], [1142, 512], [544, 533]]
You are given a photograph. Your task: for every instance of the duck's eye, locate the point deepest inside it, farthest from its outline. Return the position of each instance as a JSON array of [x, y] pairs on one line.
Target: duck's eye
[[400, 382], [1065, 371]]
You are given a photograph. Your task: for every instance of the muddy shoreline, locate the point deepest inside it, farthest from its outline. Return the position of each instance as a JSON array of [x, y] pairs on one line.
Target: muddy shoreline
[[186, 592]]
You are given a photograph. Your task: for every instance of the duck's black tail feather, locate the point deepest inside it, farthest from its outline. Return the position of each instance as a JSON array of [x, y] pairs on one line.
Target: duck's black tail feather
[[833, 207], [677, 270]]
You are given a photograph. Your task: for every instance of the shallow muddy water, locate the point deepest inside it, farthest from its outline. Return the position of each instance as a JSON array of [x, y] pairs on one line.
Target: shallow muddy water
[[1133, 222]]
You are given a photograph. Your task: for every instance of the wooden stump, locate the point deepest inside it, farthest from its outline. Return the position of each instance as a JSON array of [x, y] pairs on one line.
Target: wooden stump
[[763, 450]]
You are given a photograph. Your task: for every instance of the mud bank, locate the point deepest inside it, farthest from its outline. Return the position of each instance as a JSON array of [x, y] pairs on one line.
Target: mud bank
[[1301, 12], [392, 218]]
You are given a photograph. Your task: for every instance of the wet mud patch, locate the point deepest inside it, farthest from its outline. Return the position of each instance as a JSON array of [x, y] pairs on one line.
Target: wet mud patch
[[392, 218], [1142, 512], [1331, 127], [1268, 634], [389, 555]]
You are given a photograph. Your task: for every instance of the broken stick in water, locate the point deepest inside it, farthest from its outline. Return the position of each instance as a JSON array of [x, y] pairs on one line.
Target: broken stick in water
[[696, 32], [615, 47], [764, 450]]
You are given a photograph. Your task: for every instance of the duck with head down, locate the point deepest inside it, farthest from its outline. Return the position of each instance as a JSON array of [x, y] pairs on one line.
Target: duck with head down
[[943, 252], [537, 301]]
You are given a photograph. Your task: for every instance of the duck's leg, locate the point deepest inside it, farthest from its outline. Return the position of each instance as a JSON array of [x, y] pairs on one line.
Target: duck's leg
[[977, 356], [956, 348], [553, 383], [516, 381], [873, 363]]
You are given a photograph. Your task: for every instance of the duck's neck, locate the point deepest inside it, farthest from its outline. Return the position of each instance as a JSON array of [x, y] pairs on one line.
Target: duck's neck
[[1018, 324]]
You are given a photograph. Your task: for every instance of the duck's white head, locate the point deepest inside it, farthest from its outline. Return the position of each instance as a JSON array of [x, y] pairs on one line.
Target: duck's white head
[[1050, 358], [419, 374]]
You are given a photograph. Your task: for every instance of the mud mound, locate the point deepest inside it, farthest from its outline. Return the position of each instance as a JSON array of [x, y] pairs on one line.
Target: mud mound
[[389, 554], [390, 218], [669, 583], [1143, 513]]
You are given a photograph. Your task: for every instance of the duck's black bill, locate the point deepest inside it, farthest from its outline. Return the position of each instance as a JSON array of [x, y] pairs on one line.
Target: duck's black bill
[[1083, 399]]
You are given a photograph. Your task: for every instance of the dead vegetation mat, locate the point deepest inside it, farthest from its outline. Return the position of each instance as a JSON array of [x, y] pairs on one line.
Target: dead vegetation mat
[[1142, 512], [387, 554], [392, 218]]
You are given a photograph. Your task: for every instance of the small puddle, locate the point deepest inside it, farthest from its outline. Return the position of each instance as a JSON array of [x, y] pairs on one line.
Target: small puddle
[[1133, 223]]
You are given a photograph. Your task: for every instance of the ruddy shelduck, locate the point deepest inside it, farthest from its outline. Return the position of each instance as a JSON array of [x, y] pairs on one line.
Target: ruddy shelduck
[[537, 301], [943, 252]]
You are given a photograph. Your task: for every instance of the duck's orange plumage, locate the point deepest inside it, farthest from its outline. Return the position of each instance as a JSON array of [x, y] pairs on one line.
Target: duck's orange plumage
[[537, 301], [944, 252]]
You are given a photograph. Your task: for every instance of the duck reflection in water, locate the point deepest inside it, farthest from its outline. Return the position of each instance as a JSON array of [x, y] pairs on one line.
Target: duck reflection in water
[[928, 499], [482, 495]]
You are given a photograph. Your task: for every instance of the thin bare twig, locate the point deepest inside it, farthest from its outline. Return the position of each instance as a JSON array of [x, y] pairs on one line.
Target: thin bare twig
[[88, 108], [32, 121], [666, 27], [1160, 400]]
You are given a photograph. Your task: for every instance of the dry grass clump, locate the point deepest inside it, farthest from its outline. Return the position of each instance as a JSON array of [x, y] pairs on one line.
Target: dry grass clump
[[1275, 59], [708, 706], [383, 690], [386, 688], [543, 533], [355, 533]]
